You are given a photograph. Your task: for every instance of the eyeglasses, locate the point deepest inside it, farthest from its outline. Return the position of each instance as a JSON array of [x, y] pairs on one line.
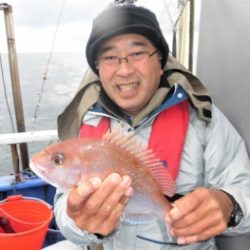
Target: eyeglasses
[[134, 57]]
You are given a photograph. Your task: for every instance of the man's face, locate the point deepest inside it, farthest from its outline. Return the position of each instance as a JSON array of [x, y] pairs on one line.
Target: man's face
[[129, 83]]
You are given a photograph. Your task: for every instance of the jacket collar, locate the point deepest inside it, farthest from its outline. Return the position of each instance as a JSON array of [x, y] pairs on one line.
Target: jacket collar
[[88, 94]]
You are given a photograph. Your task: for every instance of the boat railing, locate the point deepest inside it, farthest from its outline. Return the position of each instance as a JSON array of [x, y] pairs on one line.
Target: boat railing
[[25, 137], [13, 139]]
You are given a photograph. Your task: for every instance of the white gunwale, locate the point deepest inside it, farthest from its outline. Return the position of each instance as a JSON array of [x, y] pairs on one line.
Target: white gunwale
[[23, 137]]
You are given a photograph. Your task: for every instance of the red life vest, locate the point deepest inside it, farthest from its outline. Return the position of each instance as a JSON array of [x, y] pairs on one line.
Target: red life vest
[[167, 135]]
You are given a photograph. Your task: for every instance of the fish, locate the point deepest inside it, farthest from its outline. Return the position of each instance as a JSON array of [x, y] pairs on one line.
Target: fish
[[64, 163]]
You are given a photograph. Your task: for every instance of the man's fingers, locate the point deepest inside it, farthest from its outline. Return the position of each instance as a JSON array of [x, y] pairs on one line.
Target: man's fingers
[[174, 214], [193, 217], [203, 235], [205, 218], [113, 208], [186, 205], [113, 219], [97, 205], [122, 191], [105, 206], [125, 199], [79, 194], [84, 189], [193, 229], [107, 197], [101, 195]]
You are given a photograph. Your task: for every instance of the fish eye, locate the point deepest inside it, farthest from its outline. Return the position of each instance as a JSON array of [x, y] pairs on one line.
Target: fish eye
[[57, 159]]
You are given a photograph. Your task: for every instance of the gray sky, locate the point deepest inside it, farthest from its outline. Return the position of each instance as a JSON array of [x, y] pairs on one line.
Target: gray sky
[[35, 23]]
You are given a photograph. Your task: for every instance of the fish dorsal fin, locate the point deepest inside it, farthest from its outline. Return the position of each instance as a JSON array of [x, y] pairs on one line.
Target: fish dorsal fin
[[130, 143]]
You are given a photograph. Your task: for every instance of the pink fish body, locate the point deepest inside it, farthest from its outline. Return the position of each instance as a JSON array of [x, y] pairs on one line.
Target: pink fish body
[[63, 164]]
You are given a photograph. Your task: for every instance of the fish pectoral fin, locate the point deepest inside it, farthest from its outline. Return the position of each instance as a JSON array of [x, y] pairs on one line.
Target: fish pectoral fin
[[142, 210]]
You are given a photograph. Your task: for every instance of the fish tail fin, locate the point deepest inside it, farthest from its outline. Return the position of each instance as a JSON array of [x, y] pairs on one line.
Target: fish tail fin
[[130, 143]]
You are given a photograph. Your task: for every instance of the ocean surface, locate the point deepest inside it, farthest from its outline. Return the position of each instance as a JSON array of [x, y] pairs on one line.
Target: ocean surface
[[64, 75]]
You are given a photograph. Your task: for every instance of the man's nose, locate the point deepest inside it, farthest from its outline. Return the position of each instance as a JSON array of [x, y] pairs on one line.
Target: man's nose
[[124, 67]]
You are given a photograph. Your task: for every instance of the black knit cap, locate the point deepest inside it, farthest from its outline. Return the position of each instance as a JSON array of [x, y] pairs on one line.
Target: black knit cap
[[121, 19]]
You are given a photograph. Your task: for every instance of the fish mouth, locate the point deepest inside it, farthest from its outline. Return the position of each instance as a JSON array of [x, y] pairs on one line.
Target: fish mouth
[[37, 166], [40, 172], [43, 174]]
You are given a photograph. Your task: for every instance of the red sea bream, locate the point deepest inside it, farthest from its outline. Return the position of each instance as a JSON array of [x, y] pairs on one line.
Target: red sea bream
[[63, 164]]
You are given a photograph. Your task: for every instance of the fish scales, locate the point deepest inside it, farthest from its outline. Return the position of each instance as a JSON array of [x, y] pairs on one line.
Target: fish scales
[[63, 164]]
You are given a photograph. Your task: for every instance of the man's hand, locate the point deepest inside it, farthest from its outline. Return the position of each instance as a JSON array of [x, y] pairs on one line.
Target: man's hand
[[96, 206], [200, 215]]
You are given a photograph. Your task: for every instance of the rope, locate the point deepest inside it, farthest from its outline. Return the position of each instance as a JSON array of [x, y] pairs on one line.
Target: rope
[[6, 96], [45, 75], [180, 7]]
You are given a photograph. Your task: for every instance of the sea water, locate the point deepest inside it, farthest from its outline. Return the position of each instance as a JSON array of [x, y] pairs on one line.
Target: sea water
[[64, 74]]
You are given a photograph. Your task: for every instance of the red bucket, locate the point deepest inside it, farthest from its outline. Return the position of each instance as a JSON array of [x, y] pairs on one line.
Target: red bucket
[[29, 218]]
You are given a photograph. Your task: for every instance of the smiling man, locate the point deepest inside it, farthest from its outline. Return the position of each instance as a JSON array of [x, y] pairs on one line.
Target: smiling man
[[130, 69], [139, 85]]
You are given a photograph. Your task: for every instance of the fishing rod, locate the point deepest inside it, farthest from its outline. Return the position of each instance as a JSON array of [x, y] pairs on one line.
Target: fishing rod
[[45, 75]]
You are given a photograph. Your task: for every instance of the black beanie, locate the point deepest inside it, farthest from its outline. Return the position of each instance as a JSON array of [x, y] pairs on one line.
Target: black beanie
[[121, 19]]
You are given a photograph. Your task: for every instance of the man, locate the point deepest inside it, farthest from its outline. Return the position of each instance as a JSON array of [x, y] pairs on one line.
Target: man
[[139, 84]]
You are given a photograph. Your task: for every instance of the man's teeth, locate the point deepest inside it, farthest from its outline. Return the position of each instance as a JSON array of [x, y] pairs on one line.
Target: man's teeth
[[127, 86]]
